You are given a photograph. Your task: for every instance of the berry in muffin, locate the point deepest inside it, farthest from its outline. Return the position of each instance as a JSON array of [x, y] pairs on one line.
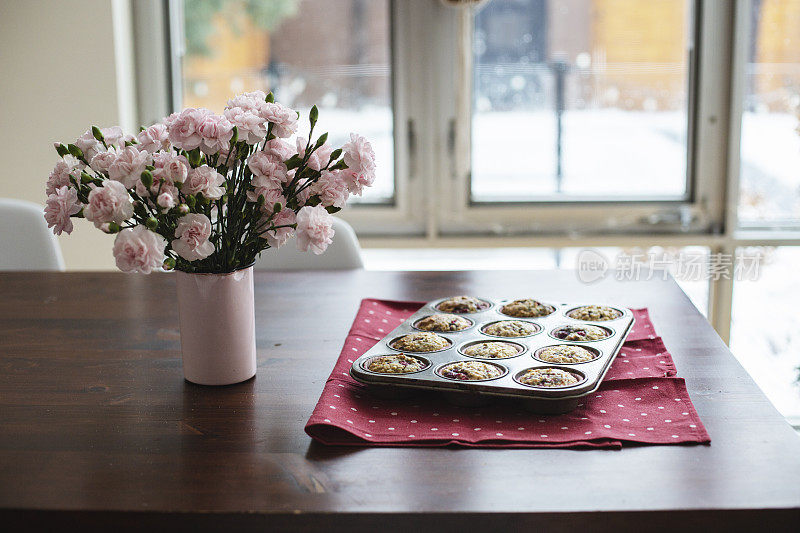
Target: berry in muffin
[[565, 353], [510, 328], [527, 308], [491, 350], [443, 322], [470, 371], [548, 377], [595, 313], [462, 304], [420, 342]]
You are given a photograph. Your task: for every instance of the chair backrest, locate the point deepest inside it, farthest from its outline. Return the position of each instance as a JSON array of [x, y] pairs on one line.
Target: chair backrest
[[343, 253], [26, 243]]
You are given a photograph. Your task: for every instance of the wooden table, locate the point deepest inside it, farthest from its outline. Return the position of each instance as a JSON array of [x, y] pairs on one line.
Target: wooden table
[[98, 428]]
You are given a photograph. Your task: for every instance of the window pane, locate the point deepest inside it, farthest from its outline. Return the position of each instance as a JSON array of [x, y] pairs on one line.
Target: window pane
[[764, 333], [770, 145], [333, 53], [580, 99]]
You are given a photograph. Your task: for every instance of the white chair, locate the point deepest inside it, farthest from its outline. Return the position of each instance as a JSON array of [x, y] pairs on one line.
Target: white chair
[[344, 253], [26, 243]]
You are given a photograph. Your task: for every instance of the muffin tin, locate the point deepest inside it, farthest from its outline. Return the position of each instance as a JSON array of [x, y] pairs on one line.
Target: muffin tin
[[538, 399]]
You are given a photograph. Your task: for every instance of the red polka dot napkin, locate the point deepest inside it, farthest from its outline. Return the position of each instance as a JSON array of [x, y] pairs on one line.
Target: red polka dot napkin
[[640, 401]]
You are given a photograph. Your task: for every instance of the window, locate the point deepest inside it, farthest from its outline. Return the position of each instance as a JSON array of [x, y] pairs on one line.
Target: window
[[770, 142], [343, 65], [580, 100]]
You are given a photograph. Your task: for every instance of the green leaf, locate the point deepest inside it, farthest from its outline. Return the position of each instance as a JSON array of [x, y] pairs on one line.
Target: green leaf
[[97, 134], [331, 209], [293, 162], [75, 151], [61, 149]]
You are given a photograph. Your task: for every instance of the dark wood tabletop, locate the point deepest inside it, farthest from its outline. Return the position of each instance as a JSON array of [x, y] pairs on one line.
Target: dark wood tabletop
[[98, 427]]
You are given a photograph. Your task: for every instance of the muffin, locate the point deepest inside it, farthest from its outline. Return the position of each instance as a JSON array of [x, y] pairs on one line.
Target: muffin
[[420, 342], [548, 377], [581, 333], [470, 371], [527, 308], [462, 304], [395, 364], [443, 322], [595, 313], [491, 350], [565, 353], [510, 328]]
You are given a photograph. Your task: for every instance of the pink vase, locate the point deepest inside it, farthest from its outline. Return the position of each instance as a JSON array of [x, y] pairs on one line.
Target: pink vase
[[218, 330]]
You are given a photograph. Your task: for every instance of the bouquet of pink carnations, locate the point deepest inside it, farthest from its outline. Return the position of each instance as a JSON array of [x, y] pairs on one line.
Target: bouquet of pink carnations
[[201, 192]]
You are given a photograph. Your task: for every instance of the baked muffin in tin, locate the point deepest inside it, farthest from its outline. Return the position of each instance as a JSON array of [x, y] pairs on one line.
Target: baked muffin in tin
[[511, 328], [565, 353], [595, 313], [527, 308], [491, 350], [462, 304], [395, 364], [443, 322], [575, 332], [548, 378], [420, 342], [470, 371]]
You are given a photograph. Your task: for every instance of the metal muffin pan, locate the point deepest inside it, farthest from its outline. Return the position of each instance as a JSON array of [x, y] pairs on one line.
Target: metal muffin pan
[[537, 399]]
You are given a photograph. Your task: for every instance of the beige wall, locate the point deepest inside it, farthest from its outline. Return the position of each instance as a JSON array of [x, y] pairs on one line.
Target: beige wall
[[59, 76]]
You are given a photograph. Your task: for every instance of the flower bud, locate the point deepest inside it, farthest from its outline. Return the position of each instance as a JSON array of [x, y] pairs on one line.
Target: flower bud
[[277, 207], [335, 154], [183, 209], [313, 115], [191, 200], [75, 151], [152, 223], [147, 178], [97, 134], [260, 201], [169, 263], [113, 227], [270, 98], [61, 149], [321, 140]]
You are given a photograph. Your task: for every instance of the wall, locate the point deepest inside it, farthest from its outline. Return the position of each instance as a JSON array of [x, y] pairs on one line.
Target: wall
[[59, 77]]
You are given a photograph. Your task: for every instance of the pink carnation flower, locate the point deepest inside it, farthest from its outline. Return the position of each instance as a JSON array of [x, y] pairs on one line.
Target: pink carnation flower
[[331, 188], [267, 165], [62, 203], [184, 129], [128, 166], [108, 203], [154, 138], [277, 236], [171, 167], [272, 192], [206, 180], [244, 112], [216, 133], [314, 229], [283, 119], [103, 160], [166, 200], [279, 148], [192, 235], [59, 177], [138, 249], [360, 160], [88, 145]]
